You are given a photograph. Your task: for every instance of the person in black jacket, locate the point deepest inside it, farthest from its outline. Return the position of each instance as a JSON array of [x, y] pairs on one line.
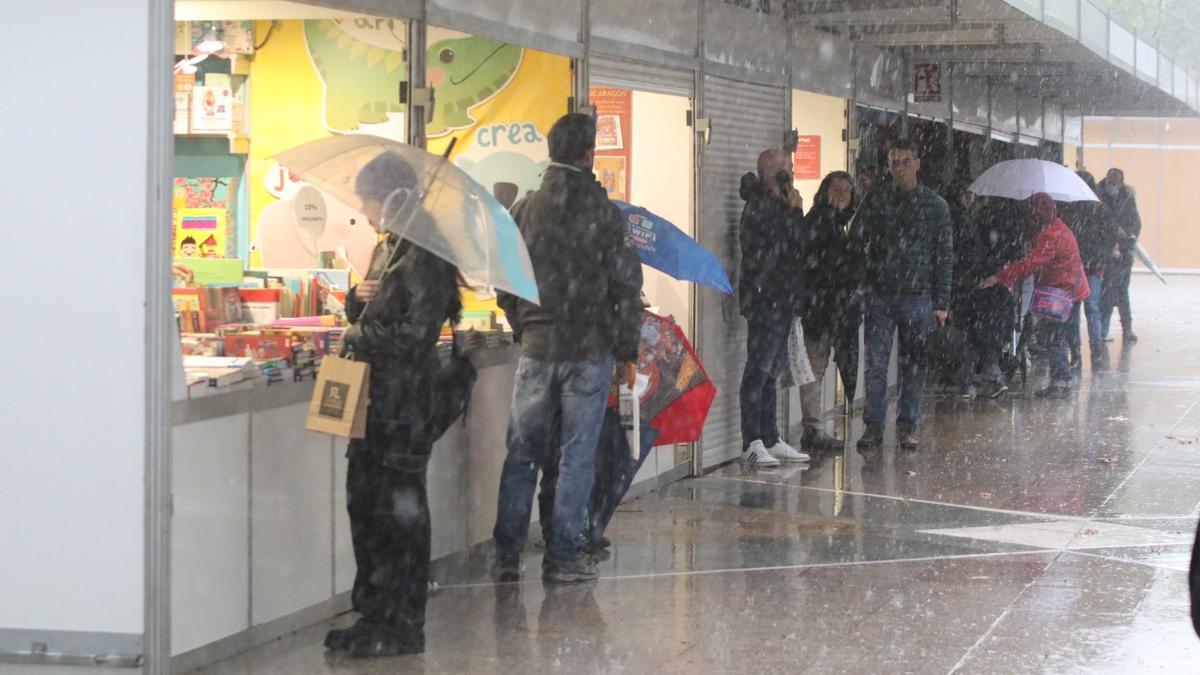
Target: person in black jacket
[[397, 316], [770, 224], [829, 298], [589, 320], [1122, 209], [1097, 236], [984, 314]]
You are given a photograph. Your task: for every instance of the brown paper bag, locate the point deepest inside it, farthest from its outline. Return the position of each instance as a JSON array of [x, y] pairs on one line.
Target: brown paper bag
[[339, 402]]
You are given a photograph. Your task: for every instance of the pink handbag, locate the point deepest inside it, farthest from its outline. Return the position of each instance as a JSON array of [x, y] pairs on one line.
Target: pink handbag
[[1053, 304]]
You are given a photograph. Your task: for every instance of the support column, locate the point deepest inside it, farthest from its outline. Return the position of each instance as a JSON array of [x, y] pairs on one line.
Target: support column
[[580, 65]]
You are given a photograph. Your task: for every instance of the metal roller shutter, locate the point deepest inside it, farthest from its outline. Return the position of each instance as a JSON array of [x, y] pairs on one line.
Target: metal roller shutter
[[612, 71], [746, 119]]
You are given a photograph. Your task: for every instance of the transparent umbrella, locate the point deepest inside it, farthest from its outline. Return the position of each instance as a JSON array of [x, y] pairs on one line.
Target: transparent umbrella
[[436, 205]]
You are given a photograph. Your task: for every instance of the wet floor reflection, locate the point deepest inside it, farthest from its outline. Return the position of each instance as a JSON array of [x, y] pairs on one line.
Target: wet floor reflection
[[1024, 536]]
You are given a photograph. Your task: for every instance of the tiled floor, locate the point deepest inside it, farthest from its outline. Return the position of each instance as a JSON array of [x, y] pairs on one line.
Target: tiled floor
[[1026, 536]]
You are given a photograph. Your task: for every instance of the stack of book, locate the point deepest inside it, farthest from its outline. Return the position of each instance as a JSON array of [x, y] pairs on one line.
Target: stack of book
[[209, 375]]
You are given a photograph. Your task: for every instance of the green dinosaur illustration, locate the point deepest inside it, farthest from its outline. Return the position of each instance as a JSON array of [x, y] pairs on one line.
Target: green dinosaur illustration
[[465, 72], [362, 82]]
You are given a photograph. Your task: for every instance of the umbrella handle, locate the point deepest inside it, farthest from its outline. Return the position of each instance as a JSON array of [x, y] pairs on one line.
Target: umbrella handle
[[450, 147]]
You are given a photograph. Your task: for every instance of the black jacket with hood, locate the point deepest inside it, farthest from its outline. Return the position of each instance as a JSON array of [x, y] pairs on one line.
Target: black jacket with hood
[[831, 271], [771, 252], [1121, 206], [1095, 231], [589, 279]]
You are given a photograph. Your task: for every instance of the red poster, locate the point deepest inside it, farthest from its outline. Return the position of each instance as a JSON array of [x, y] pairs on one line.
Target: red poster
[[807, 159], [614, 139]]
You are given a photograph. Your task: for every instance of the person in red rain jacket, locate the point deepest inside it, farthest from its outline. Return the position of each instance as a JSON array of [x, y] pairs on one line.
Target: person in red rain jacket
[[1053, 261]]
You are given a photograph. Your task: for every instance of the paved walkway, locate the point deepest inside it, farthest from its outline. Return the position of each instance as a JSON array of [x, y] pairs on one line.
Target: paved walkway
[[1026, 536]]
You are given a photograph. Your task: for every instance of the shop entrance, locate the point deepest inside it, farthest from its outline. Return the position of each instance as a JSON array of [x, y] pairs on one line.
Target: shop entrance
[[880, 129], [644, 152]]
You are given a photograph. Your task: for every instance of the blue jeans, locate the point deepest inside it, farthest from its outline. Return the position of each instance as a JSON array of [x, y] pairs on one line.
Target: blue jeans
[[766, 357], [910, 317], [1091, 310], [1057, 335], [579, 391]]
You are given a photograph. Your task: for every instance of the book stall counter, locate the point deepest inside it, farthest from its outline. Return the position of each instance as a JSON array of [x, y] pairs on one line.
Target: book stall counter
[[260, 537]]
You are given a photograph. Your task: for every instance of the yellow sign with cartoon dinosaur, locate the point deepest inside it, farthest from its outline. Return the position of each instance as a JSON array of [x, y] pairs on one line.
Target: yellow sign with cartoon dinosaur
[[499, 100]]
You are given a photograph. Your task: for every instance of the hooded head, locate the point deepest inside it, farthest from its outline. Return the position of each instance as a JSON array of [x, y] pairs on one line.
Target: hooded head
[[385, 185], [1041, 209]]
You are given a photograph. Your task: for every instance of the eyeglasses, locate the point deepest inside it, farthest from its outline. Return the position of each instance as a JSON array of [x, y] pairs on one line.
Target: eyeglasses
[[902, 162]]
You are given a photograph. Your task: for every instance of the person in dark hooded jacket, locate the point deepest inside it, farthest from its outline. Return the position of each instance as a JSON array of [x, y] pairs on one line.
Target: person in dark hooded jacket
[[829, 304], [1121, 207], [771, 221], [396, 317], [984, 315], [1097, 235]]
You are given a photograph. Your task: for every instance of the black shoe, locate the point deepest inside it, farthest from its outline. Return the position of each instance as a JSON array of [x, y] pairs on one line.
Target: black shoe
[[384, 642], [579, 570], [1130, 339], [907, 439], [1054, 392], [340, 639], [506, 570], [818, 440], [597, 548], [871, 438]]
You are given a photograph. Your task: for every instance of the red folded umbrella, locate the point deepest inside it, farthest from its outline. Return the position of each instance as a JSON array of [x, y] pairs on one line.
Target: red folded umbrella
[[680, 393]]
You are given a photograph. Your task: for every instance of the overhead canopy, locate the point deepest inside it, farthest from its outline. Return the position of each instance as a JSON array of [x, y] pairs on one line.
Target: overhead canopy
[[1066, 50]]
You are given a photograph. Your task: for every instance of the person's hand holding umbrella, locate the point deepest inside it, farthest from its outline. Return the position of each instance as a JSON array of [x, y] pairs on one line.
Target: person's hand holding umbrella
[[625, 375]]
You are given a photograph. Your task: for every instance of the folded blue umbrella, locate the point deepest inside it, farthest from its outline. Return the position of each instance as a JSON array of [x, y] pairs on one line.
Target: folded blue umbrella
[[667, 249]]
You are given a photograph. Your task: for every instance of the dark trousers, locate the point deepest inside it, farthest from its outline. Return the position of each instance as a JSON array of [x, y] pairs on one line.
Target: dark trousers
[[846, 346], [389, 526], [1116, 296], [766, 357]]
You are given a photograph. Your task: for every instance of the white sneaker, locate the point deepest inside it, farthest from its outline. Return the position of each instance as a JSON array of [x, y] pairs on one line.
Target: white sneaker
[[786, 453], [757, 455]]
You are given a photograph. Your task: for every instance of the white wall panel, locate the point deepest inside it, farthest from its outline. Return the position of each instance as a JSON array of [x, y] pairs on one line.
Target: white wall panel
[[343, 546], [746, 38], [548, 25], [73, 424], [667, 25], [822, 63], [291, 514], [210, 531], [970, 96]]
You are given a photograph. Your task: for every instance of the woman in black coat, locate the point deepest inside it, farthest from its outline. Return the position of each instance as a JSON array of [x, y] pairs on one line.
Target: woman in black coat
[[397, 317], [829, 304]]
